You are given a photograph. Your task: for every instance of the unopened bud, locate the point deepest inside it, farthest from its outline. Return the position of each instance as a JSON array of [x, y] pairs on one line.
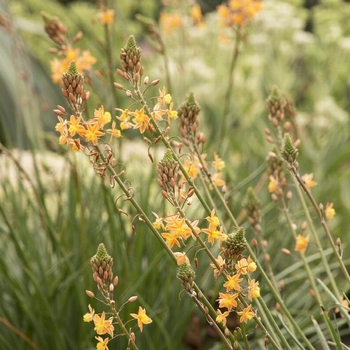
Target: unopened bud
[[111, 288], [312, 292], [304, 225], [115, 281], [338, 242], [254, 242], [155, 82], [267, 258], [278, 307], [128, 93], [146, 80], [132, 336], [132, 299], [78, 36], [285, 251], [321, 206], [118, 86], [289, 195], [282, 284], [90, 294]]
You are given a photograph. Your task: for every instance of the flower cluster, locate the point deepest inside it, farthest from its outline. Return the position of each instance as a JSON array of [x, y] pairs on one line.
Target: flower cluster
[[101, 264], [57, 32], [238, 12]]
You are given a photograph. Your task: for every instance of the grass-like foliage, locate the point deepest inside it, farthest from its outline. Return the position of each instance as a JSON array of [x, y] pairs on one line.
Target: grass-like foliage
[[193, 190]]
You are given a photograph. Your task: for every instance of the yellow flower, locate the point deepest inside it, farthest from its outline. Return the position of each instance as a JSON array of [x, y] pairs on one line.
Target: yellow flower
[[171, 114], [84, 61], [141, 317], [309, 183], [218, 181], [102, 343], [171, 239], [218, 163], [253, 289], [196, 14], [273, 185], [103, 326], [159, 221], [125, 119], [232, 283], [92, 133], [221, 317], [75, 126], [114, 132], [227, 300], [181, 258], [212, 219], [329, 211], [61, 126], [106, 17], [213, 234], [88, 317], [221, 263], [170, 21], [238, 12], [301, 243], [192, 168], [246, 314], [101, 117], [141, 120], [244, 265], [178, 226]]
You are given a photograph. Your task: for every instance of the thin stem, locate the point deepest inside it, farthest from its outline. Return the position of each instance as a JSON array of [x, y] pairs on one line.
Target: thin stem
[[110, 68], [228, 94], [322, 220], [121, 325]]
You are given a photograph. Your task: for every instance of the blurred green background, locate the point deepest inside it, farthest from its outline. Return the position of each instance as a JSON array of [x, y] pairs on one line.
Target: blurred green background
[[54, 211]]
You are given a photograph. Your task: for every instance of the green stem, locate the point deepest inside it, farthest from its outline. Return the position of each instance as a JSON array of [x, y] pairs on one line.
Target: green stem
[[110, 68], [323, 223], [121, 325], [228, 94]]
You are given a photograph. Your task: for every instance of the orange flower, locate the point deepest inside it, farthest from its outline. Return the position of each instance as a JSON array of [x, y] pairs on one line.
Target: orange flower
[[246, 314], [221, 263], [170, 21], [273, 185], [301, 243], [329, 211], [141, 120], [103, 326], [309, 183], [253, 289], [232, 283], [106, 17], [92, 133], [227, 300], [221, 317], [141, 317], [196, 14], [75, 126]]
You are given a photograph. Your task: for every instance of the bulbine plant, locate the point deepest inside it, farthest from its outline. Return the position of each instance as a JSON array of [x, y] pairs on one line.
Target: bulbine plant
[[186, 178]]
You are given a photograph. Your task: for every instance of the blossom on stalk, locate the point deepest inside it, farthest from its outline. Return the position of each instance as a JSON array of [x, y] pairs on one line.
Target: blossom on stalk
[[106, 16], [170, 21], [102, 343], [142, 318], [221, 317], [103, 326], [329, 211], [246, 314], [301, 243], [244, 266], [308, 181], [227, 300], [221, 263], [92, 133], [238, 12], [141, 120], [89, 316], [253, 289], [232, 283]]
